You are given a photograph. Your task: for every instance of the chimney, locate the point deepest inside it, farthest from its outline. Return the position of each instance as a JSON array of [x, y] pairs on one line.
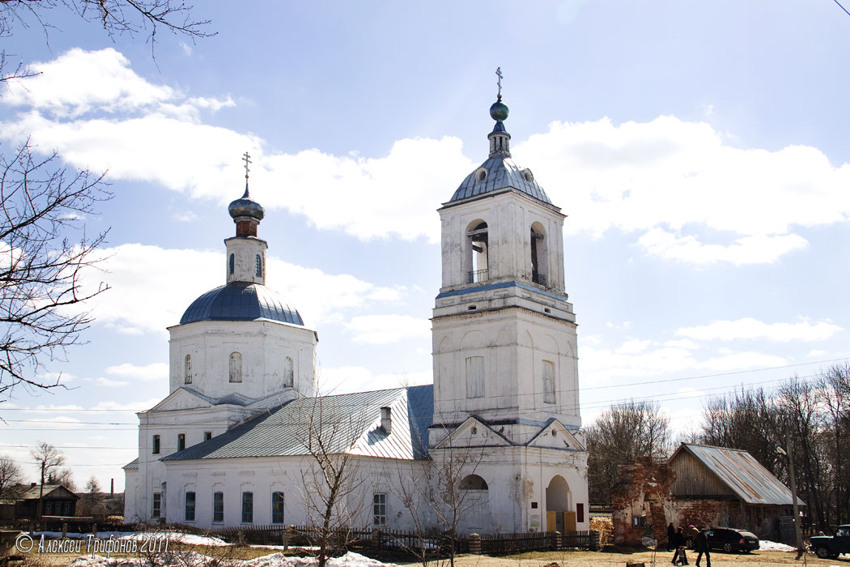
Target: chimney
[[32, 484], [387, 419], [112, 487]]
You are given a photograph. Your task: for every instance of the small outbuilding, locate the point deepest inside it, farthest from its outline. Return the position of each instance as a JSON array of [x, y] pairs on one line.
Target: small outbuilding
[[701, 485], [21, 502]]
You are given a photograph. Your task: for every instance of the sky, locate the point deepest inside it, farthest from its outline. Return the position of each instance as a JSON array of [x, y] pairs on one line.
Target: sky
[[699, 150]]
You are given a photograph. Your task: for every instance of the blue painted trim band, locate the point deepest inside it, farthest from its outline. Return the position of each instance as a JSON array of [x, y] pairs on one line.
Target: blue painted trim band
[[502, 285]]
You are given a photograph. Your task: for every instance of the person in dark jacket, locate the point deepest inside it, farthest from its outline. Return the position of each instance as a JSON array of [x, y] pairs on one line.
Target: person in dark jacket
[[701, 547], [671, 533], [678, 543]]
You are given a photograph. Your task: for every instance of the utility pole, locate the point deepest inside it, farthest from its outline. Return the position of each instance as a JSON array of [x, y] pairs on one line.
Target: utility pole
[[797, 533]]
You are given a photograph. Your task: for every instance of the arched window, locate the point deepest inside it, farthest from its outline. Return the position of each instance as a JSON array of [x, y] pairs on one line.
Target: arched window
[[235, 366], [288, 372], [232, 264], [477, 253], [259, 266], [473, 482], [187, 369], [539, 255]]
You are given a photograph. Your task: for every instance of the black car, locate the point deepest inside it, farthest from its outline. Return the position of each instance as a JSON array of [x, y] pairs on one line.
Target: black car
[[832, 546], [731, 539]]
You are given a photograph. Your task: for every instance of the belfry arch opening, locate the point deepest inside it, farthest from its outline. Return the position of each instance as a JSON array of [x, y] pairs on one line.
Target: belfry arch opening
[[477, 252], [539, 255]]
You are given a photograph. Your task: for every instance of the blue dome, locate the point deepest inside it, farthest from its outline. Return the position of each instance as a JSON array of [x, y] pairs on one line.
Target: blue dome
[[240, 301]]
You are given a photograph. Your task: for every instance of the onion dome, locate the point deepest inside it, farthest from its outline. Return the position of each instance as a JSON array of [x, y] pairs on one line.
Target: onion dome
[[241, 301], [499, 172]]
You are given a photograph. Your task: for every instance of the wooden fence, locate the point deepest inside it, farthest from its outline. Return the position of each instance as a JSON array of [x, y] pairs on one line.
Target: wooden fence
[[411, 542]]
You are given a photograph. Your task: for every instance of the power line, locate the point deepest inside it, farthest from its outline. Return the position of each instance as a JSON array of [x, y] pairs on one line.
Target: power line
[[842, 7]]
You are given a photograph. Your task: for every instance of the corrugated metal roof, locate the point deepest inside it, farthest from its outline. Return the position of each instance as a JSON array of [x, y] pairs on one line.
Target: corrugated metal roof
[[502, 173], [347, 422], [742, 473], [240, 301], [134, 464]]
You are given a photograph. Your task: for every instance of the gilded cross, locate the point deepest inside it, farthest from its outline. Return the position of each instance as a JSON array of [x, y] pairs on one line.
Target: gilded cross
[[499, 81]]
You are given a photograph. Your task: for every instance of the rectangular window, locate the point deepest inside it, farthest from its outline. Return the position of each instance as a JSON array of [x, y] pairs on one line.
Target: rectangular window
[[247, 507], [207, 435], [277, 507], [155, 450], [379, 509], [548, 382], [181, 441], [218, 507], [157, 505], [190, 507], [579, 512], [475, 377]]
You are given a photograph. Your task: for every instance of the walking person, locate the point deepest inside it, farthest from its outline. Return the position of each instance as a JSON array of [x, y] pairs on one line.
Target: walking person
[[701, 546], [671, 533], [678, 543]]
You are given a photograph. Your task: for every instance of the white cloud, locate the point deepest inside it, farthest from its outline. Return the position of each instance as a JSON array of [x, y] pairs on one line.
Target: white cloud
[[154, 371], [386, 329], [687, 195], [748, 328], [141, 301], [743, 250], [347, 379]]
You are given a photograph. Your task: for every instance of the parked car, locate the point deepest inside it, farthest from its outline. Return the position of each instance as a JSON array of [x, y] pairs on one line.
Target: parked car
[[731, 539], [832, 546]]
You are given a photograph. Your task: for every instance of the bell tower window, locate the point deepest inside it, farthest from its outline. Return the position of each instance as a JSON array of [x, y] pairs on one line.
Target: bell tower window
[[187, 369], [235, 366], [475, 377], [232, 264], [548, 382], [477, 253], [539, 268], [259, 266]]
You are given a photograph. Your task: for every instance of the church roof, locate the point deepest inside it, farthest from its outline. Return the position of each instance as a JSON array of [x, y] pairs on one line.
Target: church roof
[[240, 301], [346, 423], [500, 172]]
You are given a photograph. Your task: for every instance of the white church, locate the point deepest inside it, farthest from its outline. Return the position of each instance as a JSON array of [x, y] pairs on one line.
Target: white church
[[231, 444]]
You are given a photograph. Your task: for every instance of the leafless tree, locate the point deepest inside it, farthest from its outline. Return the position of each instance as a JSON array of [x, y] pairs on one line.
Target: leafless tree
[[333, 480], [48, 458], [92, 502], [10, 474], [621, 435], [834, 389], [44, 251], [445, 498], [44, 248]]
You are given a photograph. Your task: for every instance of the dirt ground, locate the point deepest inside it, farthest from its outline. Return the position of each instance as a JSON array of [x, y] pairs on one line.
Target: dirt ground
[[562, 559]]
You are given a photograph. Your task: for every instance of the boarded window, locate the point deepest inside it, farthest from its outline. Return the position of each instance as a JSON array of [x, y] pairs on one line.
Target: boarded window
[[235, 366], [187, 369], [288, 372], [548, 382], [475, 377]]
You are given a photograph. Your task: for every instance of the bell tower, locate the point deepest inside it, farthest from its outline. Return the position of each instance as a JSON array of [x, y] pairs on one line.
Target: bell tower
[[503, 331]]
